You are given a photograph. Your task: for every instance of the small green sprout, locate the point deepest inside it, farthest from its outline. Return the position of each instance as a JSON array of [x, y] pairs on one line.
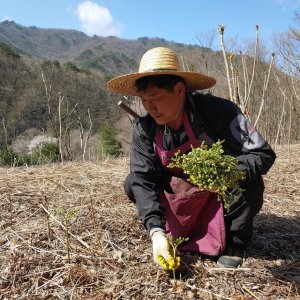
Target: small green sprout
[[67, 217], [175, 242]]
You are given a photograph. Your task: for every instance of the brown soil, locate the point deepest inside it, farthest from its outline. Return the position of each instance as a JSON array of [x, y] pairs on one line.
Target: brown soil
[[110, 253]]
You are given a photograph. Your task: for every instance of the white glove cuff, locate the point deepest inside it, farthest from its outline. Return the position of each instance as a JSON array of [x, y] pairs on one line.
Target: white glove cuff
[[155, 230]]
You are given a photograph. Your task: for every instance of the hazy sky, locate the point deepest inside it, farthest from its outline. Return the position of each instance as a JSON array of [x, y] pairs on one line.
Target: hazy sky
[[177, 20]]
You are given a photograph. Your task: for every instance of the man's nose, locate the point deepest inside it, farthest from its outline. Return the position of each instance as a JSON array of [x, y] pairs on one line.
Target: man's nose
[[152, 107]]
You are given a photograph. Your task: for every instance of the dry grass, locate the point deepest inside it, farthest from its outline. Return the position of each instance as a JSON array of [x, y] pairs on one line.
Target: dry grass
[[110, 252]]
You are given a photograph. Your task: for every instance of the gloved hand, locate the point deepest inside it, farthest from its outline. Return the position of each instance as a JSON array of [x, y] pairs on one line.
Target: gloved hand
[[161, 252]]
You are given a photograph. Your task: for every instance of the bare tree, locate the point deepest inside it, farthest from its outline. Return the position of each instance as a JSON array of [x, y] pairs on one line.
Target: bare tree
[[84, 139], [221, 31], [287, 46], [206, 41], [265, 87], [59, 120]]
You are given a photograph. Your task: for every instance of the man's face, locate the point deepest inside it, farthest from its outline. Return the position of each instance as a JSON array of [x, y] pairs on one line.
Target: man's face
[[165, 107]]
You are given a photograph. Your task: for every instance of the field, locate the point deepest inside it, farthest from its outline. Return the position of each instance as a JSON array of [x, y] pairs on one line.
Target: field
[[109, 251]]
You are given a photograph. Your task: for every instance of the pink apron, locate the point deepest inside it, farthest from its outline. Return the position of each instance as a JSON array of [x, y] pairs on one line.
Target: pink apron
[[191, 212]]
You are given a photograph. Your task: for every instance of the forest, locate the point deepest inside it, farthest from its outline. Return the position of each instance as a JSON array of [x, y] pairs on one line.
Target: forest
[[64, 97]]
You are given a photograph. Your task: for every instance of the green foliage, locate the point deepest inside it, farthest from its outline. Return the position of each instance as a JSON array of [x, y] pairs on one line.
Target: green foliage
[[109, 143], [49, 64], [7, 156], [70, 66], [8, 50], [56, 63], [175, 242], [27, 159], [87, 54], [106, 60], [85, 71], [211, 170], [96, 63], [49, 152], [67, 216]]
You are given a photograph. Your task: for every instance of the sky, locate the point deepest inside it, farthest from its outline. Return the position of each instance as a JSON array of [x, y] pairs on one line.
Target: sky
[[182, 21]]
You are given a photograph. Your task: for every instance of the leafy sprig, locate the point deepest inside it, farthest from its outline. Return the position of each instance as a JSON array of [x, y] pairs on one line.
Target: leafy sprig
[[210, 169], [175, 242], [67, 216]]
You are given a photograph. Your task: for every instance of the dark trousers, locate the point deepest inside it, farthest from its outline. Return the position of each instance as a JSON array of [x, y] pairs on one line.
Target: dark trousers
[[239, 219]]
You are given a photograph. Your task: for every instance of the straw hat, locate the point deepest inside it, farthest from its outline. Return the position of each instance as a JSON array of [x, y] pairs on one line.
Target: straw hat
[[158, 61]]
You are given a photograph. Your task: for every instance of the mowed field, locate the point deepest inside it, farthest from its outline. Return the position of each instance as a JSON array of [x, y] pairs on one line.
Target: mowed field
[[108, 254]]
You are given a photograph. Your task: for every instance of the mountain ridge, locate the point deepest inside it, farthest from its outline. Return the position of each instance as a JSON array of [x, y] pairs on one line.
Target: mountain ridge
[[81, 66], [66, 44]]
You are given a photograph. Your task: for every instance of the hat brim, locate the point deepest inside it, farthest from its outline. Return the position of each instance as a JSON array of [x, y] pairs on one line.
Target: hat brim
[[125, 84]]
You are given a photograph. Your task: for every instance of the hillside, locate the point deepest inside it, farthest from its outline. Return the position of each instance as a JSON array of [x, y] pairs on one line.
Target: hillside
[[77, 67], [110, 253], [25, 98], [109, 55]]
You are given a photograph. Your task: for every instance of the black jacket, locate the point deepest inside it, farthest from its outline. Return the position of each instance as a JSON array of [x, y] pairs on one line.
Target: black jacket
[[212, 119]]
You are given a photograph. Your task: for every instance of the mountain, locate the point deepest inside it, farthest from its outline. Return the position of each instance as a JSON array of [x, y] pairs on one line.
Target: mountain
[[109, 55], [74, 65], [78, 66]]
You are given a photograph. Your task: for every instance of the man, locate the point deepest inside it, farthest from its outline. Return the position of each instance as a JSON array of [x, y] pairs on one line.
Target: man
[[178, 119]]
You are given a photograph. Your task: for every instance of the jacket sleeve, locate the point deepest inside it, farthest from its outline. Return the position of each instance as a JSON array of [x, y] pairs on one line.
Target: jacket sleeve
[[242, 140], [145, 174], [256, 156]]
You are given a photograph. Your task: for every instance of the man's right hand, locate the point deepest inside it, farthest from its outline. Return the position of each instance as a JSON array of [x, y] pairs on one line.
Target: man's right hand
[[161, 252]]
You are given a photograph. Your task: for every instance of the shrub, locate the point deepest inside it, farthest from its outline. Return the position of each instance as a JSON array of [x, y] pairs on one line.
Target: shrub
[[49, 64], [109, 143], [8, 50], [27, 159], [7, 156], [47, 153], [70, 66]]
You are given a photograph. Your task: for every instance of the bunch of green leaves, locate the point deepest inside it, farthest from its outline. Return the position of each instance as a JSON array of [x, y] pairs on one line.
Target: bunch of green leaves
[[210, 169]]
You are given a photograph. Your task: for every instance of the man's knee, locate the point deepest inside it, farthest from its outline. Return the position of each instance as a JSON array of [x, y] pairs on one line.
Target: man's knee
[[239, 221], [128, 187], [254, 195]]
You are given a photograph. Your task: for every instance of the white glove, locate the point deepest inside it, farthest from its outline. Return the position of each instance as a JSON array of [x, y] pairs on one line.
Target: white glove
[[161, 251]]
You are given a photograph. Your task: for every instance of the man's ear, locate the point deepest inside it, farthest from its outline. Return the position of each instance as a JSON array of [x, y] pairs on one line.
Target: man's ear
[[179, 88]]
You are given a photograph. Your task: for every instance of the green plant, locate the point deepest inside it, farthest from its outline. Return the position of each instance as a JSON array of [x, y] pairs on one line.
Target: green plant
[[50, 64], [27, 159], [7, 156], [67, 217], [8, 50], [175, 242], [109, 143], [211, 170], [70, 66], [49, 152]]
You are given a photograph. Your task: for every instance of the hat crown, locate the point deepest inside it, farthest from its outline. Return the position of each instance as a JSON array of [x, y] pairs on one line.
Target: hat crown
[[159, 59]]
